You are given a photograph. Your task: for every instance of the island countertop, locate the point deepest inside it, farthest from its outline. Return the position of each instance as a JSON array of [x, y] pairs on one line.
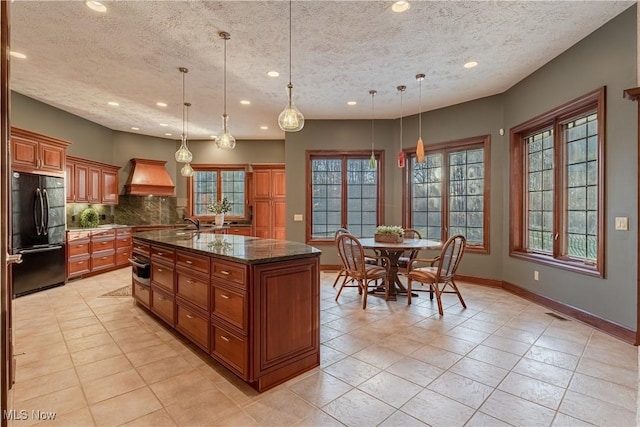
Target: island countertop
[[245, 249]]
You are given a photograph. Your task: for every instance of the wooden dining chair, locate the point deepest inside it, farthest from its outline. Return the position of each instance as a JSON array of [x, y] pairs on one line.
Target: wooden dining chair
[[403, 261], [357, 270], [367, 259], [439, 273]]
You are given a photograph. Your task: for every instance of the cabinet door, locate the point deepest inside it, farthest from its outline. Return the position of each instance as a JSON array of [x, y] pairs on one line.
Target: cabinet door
[[261, 183], [51, 158], [278, 183], [279, 213], [109, 187], [24, 153], [81, 184], [93, 186], [262, 218], [69, 179]]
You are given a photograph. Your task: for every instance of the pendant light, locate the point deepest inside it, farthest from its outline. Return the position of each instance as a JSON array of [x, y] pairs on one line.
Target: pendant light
[[420, 146], [225, 140], [183, 155], [372, 159], [187, 170], [401, 158], [291, 119]]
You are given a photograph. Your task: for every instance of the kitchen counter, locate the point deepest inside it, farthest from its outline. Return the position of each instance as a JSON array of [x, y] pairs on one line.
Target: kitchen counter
[[248, 250], [252, 304]]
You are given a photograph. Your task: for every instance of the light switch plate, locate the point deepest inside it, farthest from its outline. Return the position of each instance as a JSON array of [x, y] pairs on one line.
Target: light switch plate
[[622, 223], [297, 217]]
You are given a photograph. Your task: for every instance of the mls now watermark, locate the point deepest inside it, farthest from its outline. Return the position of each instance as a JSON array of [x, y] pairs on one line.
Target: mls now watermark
[[22, 415]]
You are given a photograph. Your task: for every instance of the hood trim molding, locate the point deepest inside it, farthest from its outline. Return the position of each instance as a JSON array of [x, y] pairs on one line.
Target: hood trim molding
[[149, 178]]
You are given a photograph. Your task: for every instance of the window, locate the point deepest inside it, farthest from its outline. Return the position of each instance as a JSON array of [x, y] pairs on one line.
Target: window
[[345, 192], [448, 192], [557, 163], [210, 183]]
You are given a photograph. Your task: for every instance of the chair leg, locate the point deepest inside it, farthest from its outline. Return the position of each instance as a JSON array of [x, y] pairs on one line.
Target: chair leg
[[363, 289], [340, 274], [455, 288], [344, 282], [438, 299]]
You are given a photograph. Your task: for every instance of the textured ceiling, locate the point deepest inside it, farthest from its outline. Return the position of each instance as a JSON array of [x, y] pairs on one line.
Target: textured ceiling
[[79, 59]]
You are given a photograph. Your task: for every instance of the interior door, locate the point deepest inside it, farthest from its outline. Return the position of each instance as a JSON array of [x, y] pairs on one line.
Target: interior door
[[5, 259]]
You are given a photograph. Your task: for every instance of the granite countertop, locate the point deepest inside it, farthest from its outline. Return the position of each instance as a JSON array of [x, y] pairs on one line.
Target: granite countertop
[[175, 225], [245, 249]]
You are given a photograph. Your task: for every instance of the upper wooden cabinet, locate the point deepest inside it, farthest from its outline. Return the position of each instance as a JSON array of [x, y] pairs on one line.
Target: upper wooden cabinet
[[35, 153], [91, 182], [269, 201]]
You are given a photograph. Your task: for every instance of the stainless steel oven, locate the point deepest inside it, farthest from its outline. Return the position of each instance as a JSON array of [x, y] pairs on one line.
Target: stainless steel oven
[[140, 270]]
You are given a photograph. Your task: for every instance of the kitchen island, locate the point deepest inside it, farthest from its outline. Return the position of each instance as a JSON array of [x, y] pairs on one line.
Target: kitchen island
[[252, 304]]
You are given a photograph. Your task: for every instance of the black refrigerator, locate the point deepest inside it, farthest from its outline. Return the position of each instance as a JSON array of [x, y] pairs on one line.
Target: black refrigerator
[[37, 232]]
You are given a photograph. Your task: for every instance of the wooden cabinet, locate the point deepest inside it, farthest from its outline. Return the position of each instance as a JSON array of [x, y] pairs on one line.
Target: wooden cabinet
[[35, 153], [269, 201], [91, 182], [95, 251], [261, 321]]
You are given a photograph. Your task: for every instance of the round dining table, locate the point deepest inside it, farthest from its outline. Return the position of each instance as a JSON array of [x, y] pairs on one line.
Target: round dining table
[[394, 251]]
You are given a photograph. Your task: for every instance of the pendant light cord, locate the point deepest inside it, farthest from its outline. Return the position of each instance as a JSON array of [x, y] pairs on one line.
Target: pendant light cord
[[373, 94], [401, 90], [183, 104], [289, 41], [420, 109], [224, 78]]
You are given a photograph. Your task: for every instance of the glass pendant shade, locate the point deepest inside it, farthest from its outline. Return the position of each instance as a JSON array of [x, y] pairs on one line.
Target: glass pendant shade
[[372, 161], [420, 151], [290, 119], [186, 170], [225, 140], [183, 155]]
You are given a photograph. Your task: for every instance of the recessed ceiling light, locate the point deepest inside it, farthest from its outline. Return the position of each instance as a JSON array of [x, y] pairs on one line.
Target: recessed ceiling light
[[245, 102], [264, 127], [113, 103], [161, 104], [351, 102], [401, 6], [17, 54], [273, 74], [471, 64], [163, 124], [95, 5], [134, 128], [167, 134]]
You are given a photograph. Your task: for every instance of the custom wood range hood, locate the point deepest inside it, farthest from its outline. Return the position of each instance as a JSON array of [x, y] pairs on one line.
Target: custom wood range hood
[[149, 178]]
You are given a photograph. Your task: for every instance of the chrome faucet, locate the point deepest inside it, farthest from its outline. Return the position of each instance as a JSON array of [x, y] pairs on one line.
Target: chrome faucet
[[194, 221]]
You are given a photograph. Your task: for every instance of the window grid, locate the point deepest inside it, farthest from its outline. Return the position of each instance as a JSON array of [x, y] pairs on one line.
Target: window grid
[[344, 193], [427, 196], [540, 171], [233, 189], [466, 195], [204, 189], [581, 137]]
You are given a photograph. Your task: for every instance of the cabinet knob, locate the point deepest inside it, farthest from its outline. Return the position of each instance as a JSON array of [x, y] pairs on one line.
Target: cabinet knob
[[160, 253], [189, 262], [189, 316], [104, 257], [160, 270], [223, 296], [189, 281], [225, 272], [223, 338]]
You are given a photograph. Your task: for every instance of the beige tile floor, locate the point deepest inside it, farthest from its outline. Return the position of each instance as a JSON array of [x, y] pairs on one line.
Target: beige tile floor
[[503, 361]]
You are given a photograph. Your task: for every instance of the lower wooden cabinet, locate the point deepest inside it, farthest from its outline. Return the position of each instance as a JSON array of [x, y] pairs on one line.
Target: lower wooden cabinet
[[230, 349], [163, 305], [193, 323], [97, 250], [142, 293]]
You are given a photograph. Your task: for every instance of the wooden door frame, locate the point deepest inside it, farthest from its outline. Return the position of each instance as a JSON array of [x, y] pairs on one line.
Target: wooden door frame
[[633, 94], [5, 288]]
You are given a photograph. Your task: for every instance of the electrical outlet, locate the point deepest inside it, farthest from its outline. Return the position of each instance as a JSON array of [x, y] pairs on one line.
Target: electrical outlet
[[622, 223], [297, 217], [536, 275]]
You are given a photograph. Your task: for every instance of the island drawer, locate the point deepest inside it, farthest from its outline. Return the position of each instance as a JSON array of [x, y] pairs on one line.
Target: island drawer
[[230, 306], [230, 349], [142, 293], [163, 305], [162, 275], [162, 254], [231, 273], [194, 325], [193, 262], [194, 290], [102, 261], [141, 248]]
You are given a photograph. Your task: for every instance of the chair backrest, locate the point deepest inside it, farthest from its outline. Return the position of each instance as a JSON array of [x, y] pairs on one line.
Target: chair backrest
[[451, 255], [352, 255], [412, 233], [340, 232]]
